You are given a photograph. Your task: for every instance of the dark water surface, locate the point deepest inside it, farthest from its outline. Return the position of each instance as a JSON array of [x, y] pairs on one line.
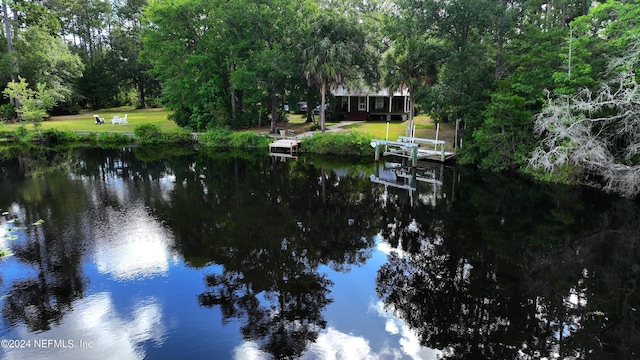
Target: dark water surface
[[126, 254]]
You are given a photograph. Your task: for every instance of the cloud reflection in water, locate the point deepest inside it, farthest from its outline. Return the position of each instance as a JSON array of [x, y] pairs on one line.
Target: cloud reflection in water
[[131, 244], [96, 320]]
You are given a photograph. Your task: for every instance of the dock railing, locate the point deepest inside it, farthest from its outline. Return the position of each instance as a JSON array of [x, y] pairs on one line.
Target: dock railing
[[421, 141]]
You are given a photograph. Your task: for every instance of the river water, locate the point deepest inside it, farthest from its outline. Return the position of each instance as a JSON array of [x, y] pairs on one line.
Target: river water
[[136, 253]]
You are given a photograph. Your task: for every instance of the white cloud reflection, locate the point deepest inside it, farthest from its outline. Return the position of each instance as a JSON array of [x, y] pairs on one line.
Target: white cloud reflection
[[95, 321], [132, 244], [409, 343], [333, 344]]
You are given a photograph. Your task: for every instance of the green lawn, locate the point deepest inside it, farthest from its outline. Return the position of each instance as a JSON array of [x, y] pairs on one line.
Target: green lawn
[[84, 122], [425, 128]]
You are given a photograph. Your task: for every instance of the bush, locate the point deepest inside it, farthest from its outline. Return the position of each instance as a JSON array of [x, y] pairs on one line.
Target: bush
[[151, 134], [224, 137], [177, 137], [148, 134], [351, 144], [114, 138], [181, 117], [246, 139], [8, 136], [7, 112], [216, 137], [23, 134], [53, 136], [147, 131]]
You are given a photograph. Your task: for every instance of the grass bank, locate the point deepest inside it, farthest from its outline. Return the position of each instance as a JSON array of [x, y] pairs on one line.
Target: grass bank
[[85, 123], [151, 126]]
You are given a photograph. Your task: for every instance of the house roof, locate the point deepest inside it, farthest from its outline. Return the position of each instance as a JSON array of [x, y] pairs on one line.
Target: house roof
[[365, 91]]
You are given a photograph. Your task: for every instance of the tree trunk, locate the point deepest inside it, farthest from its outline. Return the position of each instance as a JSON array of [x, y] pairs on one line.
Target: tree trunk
[[309, 113], [272, 130], [142, 92], [233, 103], [7, 31], [323, 93], [498, 71]]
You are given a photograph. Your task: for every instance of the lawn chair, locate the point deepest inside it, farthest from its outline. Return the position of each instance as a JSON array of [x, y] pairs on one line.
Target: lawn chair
[[118, 120], [98, 119]]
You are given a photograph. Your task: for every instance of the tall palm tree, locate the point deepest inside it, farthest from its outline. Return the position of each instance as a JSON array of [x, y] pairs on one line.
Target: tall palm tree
[[327, 64], [409, 68]]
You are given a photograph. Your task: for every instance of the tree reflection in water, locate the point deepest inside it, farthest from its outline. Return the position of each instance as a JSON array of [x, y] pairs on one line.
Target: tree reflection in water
[[43, 298], [509, 269], [515, 272], [271, 237], [69, 190]]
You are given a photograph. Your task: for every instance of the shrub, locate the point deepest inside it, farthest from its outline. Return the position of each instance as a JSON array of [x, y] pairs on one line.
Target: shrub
[[349, 144], [224, 137], [151, 134], [245, 139], [7, 112], [216, 137], [177, 137], [148, 134], [8, 136], [24, 134], [114, 138], [53, 136], [181, 117]]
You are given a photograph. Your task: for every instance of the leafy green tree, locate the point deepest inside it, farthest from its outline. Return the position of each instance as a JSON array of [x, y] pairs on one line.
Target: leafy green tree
[[33, 104], [186, 47], [337, 54], [44, 58], [126, 49], [410, 66], [99, 84], [504, 138]]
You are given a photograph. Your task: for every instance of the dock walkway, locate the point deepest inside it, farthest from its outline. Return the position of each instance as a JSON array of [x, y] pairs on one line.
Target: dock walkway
[[290, 146], [413, 148]]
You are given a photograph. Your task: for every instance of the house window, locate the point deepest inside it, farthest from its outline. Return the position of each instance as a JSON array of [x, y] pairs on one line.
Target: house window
[[379, 103], [362, 103]]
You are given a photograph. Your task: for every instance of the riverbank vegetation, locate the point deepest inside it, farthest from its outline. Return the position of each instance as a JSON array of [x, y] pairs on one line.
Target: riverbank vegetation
[[513, 73]]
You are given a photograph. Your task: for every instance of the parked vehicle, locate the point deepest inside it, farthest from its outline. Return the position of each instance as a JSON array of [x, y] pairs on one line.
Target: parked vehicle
[[317, 109], [302, 107]]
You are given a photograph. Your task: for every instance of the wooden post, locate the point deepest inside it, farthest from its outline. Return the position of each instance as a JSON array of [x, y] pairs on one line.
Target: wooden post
[[387, 137], [442, 154], [455, 144], [414, 178], [414, 156], [377, 156]]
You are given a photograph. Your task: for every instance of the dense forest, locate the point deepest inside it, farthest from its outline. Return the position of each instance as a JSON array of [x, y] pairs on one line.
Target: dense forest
[[548, 83]]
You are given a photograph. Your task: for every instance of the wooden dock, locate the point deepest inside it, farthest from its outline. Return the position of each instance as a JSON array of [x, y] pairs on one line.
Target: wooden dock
[[413, 148], [282, 147]]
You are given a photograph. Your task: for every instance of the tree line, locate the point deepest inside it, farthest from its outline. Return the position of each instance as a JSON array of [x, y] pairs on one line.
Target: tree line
[[497, 66]]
